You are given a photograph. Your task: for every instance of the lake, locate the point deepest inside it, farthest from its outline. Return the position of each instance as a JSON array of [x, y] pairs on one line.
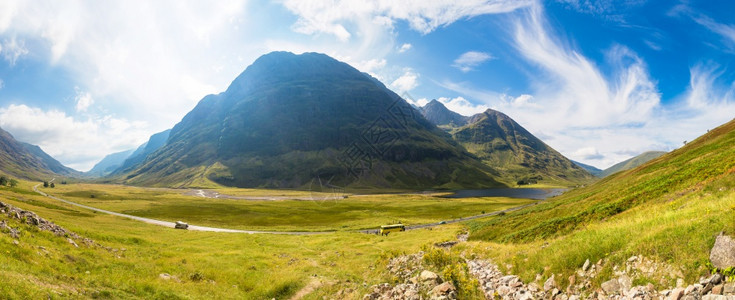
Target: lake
[[530, 193]]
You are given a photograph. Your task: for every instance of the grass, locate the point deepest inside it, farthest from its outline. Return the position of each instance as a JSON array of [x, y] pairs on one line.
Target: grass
[[354, 212], [670, 209], [206, 265]]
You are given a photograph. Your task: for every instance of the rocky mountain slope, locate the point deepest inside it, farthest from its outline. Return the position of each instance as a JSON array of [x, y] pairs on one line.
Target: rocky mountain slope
[[435, 112], [290, 119], [28, 161], [109, 164]]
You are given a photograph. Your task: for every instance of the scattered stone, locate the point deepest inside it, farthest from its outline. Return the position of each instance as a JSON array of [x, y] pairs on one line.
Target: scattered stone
[[715, 279], [550, 283], [611, 286], [632, 258], [722, 254], [445, 290], [729, 288], [586, 265], [676, 294], [717, 290], [165, 276], [16, 242], [429, 278], [715, 297], [72, 242]]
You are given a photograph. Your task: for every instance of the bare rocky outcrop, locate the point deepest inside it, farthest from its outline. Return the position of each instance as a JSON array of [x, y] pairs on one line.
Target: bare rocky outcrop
[[30, 218], [722, 254]]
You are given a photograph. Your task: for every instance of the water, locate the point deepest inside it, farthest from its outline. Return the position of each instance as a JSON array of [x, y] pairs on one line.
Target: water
[[537, 194]]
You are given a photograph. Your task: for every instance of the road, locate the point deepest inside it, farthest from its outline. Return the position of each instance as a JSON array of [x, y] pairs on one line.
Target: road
[[214, 229]]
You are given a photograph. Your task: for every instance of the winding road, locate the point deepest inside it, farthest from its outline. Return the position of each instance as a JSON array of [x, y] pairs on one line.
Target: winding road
[[214, 229]]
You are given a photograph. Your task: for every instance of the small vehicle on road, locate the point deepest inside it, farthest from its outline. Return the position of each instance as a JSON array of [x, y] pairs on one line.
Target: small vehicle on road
[[386, 229], [181, 225]]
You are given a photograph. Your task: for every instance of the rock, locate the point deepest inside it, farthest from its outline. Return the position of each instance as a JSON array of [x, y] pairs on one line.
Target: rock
[[707, 288], [632, 258], [72, 242], [722, 254], [429, 278], [550, 283], [714, 297], [689, 290], [625, 283], [572, 280], [717, 290], [715, 279], [679, 283], [445, 290], [165, 276], [16, 242], [728, 288], [586, 265], [611, 286], [676, 294]]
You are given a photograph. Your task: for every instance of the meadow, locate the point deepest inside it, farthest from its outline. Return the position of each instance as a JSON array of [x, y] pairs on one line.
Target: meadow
[[322, 214]]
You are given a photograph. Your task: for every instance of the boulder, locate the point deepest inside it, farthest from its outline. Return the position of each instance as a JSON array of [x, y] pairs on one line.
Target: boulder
[[722, 254], [429, 278], [445, 290], [611, 286], [550, 284], [586, 265], [729, 288], [676, 294]]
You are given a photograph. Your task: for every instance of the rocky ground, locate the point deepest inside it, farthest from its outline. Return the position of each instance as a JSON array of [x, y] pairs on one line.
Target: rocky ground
[[415, 282]]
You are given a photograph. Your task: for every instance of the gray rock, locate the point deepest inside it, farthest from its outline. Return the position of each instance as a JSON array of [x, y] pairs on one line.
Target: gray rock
[[715, 279], [676, 294], [445, 290], [429, 278], [611, 286], [722, 254], [714, 297], [728, 288], [586, 265], [625, 283], [550, 283]]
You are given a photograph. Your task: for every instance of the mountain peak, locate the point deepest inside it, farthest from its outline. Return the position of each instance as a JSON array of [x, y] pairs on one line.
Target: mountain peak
[[437, 113]]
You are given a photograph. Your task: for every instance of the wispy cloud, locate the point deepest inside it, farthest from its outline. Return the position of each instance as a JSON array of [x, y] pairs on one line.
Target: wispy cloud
[[13, 49], [725, 31], [470, 60]]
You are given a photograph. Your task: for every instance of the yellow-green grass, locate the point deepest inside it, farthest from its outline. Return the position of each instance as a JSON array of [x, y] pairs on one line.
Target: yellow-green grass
[[670, 210], [352, 213], [207, 265]]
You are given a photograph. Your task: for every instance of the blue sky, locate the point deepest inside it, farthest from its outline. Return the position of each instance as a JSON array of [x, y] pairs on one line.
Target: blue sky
[[600, 81]]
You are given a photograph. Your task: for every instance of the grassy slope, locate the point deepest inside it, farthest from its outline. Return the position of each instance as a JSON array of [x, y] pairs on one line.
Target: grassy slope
[[670, 208], [209, 265]]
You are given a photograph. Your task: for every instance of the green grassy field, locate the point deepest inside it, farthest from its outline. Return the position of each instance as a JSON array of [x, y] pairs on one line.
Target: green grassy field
[[670, 209], [206, 265], [354, 212]]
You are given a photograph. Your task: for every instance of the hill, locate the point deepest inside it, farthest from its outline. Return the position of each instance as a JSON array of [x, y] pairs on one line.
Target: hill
[[28, 161], [522, 158], [632, 162], [591, 169], [669, 209], [438, 114], [109, 164], [155, 142], [289, 119]]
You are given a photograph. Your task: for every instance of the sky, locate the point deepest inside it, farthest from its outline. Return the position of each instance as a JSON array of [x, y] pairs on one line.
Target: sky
[[599, 81]]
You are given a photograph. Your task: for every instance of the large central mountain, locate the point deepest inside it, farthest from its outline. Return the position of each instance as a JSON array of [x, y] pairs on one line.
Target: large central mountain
[[289, 120]]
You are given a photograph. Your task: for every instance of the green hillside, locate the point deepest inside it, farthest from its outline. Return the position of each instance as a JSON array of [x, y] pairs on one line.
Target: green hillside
[[290, 119], [632, 162], [670, 209], [521, 158], [28, 161]]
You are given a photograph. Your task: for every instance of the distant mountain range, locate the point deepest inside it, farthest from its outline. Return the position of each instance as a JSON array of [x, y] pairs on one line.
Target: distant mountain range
[[28, 161], [506, 146], [591, 169], [109, 164], [632, 162]]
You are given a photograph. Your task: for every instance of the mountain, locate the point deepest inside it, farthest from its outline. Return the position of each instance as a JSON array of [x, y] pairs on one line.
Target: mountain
[[289, 120], [632, 162], [438, 114], [505, 145], [27, 161], [591, 169], [109, 164], [155, 142]]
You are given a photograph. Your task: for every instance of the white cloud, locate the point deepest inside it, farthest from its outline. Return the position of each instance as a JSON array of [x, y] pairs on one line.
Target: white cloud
[[76, 143], [13, 49], [461, 106], [420, 102], [408, 81], [470, 60], [317, 16], [404, 48], [84, 100], [588, 153]]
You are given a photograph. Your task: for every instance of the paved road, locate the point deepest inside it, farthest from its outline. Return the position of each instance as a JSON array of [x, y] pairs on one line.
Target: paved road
[[214, 229]]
